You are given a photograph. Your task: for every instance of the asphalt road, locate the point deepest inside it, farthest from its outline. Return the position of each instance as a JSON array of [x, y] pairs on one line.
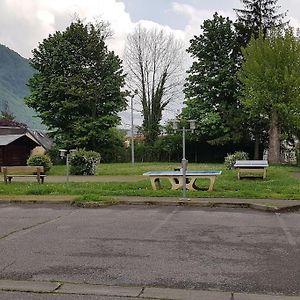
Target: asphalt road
[[225, 249]]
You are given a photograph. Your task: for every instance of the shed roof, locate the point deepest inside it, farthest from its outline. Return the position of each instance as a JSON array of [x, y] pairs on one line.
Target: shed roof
[[9, 138]]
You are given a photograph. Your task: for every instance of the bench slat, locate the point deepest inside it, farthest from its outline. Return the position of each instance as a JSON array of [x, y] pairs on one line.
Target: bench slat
[[21, 169]]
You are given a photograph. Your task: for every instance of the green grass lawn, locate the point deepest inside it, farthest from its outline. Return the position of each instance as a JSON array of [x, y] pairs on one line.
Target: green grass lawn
[[137, 169], [280, 183]]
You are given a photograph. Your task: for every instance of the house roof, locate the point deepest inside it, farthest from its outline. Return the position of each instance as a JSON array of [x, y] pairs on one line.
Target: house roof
[[9, 138], [40, 138], [11, 123], [8, 132]]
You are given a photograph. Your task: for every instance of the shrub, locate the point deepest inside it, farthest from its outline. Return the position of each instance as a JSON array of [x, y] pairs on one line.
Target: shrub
[[54, 155], [230, 159], [40, 160], [84, 162]]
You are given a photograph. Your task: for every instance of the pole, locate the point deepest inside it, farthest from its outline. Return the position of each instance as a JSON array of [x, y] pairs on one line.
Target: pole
[[132, 137], [67, 165], [184, 164]]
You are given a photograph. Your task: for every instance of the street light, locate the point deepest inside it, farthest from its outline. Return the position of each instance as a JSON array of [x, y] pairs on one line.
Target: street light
[[67, 153], [132, 136], [184, 161]]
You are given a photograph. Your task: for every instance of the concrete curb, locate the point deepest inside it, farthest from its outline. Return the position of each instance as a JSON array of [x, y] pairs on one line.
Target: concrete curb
[[138, 292], [29, 286], [256, 204], [212, 204]]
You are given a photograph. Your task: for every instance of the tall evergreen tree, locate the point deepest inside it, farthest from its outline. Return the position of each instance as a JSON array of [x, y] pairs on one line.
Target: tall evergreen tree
[[257, 16]]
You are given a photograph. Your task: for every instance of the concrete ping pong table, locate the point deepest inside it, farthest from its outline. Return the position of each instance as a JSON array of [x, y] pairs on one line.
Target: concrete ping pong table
[[176, 178], [247, 168]]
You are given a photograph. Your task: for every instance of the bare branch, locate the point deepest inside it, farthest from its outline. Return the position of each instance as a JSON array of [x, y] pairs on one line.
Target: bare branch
[[154, 64]]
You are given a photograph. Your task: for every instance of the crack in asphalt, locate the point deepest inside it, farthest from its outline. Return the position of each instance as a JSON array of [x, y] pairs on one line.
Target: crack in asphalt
[[12, 234], [7, 266], [141, 292]]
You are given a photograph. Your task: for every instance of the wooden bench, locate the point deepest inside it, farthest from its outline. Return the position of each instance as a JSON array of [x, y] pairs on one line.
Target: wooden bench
[[176, 179], [251, 168], [9, 172]]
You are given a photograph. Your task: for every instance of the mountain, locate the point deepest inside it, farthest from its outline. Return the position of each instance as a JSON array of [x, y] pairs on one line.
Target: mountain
[[15, 72]]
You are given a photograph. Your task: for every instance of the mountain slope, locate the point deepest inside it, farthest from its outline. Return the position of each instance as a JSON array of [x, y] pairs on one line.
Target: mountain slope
[[15, 72]]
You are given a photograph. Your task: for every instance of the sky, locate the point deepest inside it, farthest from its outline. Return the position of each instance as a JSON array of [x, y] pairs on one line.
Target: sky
[[25, 23]]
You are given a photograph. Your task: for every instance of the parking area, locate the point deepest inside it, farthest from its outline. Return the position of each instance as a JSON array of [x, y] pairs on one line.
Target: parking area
[[178, 247]]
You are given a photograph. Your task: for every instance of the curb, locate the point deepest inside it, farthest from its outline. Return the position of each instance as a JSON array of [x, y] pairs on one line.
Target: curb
[[124, 292], [191, 202]]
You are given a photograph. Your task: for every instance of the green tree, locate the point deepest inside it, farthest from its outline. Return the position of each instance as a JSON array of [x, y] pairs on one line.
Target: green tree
[[77, 87], [270, 76], [6, 114], [257, 16], [211, 86]]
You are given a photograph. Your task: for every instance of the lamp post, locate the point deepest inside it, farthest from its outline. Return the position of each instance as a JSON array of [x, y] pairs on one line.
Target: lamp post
[[184, 161], [132, 133], [63, 153]]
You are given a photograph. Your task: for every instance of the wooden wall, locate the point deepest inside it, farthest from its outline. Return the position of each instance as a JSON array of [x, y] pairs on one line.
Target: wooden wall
[[17, 152]]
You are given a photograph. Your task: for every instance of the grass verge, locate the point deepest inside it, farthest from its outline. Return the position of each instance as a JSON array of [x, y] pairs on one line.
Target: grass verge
[[281, 183]]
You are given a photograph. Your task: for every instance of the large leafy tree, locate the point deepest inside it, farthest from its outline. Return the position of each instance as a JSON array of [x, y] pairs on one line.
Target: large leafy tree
[[77, 87], [211, 86], [154, 64], [257, 16], [270, 76]]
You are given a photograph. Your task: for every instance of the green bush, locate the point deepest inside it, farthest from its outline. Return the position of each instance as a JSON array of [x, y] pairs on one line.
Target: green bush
[[40, 160], [84, 162], [230, 159]]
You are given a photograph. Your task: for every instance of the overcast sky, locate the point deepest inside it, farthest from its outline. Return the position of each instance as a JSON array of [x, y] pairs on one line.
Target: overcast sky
[[25, 23]]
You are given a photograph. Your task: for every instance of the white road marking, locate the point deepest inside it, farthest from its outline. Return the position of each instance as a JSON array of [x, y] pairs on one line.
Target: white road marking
[[162, 223], [286, 231]]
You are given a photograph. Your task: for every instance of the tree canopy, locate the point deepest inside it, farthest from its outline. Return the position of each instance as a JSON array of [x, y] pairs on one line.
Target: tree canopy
[[77, 87], [257, 16], [270, 76], [211, 86]]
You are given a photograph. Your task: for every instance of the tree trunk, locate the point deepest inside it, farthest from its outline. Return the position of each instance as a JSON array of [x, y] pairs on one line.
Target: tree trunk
[[256, 146], [274, 140]]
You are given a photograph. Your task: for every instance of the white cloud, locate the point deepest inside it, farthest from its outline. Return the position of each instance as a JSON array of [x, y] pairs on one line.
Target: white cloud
[[28, 22], [179, 34], [195, 17], [294, 22], [25, 23]]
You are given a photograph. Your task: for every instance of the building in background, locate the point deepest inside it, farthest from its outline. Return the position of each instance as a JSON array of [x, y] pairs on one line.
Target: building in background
[[18, 142]]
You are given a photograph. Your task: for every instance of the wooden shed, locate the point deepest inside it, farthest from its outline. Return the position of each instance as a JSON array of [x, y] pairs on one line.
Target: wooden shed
[[15, 149], [17, 142]]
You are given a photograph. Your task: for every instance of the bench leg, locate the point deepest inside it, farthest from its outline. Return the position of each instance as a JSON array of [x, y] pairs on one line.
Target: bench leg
[[155, 182], [212, 180], [175, 182], [191, 184], [193, 187]]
